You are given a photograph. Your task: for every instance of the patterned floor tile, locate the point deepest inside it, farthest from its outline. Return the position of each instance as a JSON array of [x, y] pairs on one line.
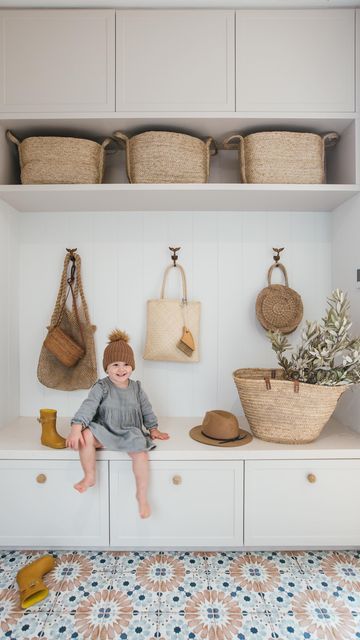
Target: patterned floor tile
[[17, 623]]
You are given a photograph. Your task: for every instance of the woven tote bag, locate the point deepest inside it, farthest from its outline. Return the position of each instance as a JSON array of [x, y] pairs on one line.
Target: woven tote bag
[[166, 319], [166, 157], [55, 160], [278, 307], [284, 411], [51, 372], [282, 157]]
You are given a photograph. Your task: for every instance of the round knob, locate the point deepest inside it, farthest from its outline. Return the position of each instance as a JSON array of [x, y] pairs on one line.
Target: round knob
[[41, 478], [177, 479], [311, 477]]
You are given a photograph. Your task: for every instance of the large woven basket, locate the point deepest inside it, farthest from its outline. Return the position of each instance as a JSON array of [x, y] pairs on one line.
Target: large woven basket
[[54, 160], [166, 157], [284, 411], [282, 157]]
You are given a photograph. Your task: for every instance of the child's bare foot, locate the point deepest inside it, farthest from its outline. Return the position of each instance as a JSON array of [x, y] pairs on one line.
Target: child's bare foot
[[144, 507], [84, 484]]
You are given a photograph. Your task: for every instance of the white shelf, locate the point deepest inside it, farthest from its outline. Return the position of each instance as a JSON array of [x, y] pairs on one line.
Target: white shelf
[[20, 440], [177, 197]]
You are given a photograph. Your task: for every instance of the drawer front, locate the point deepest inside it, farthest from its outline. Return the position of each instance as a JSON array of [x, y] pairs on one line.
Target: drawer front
[[193, 504], [302, 503], [40, 507]]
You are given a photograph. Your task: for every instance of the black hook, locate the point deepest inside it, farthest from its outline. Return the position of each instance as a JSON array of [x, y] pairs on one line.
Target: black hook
[[174, 256], [276, 257], [73, 266]]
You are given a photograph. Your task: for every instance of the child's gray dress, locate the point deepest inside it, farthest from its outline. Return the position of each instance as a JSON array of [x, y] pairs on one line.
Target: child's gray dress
[[116, 416]]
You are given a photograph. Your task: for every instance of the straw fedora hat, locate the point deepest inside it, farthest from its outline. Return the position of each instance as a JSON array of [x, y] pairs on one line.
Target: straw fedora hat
[[220, 429]]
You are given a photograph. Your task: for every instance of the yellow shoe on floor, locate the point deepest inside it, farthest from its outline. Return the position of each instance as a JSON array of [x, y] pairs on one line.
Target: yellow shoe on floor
[[31, 586]]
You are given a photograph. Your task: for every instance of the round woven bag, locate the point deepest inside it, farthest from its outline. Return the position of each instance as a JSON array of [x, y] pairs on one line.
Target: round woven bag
[[284, 411], [278, 307]]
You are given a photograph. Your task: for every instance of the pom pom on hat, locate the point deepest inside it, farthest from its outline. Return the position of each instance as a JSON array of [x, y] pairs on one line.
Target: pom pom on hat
[[118, 350]]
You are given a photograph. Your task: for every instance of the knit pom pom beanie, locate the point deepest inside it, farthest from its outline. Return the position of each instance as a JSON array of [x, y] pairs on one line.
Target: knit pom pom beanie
[[118, 350]]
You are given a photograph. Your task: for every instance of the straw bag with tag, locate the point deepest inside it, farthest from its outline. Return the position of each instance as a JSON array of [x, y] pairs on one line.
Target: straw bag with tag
[[278, 307], [67, 359], [173, 326]]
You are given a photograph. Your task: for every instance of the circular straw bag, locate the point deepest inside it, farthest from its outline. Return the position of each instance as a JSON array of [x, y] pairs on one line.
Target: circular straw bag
[[282, 157], [278, 307], [284, 411], [156, 157], [55, 160]]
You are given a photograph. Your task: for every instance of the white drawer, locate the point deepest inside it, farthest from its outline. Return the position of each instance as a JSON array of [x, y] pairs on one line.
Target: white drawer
[[51, 513], [283, 506], [193, 504]]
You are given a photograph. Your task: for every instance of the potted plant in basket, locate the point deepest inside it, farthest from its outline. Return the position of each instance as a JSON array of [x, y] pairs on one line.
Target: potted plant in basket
[[292, 404]]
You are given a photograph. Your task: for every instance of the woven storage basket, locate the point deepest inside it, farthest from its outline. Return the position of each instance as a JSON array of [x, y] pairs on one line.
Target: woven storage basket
[[282, 157], [284, 411], [166, 157], [53, 160]]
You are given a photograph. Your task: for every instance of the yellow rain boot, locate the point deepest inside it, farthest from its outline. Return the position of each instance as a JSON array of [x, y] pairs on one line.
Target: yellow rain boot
[[49, 436], [31, 587]]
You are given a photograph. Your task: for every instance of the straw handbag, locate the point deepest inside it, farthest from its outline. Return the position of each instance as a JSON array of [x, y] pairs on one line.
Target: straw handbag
[[166, 320], [67, 359], [55, 160], [166, 157], [278, 307], [284, 411], [282, 157]]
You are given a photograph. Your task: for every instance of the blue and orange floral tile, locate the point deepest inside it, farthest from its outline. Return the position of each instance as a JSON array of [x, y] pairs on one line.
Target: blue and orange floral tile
[[133, 595]]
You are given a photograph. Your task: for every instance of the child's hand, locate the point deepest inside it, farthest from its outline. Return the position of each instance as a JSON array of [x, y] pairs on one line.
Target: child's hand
[[159, 435], [75, 438]]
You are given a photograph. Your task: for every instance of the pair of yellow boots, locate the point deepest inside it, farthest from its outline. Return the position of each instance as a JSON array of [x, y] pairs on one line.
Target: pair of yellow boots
[[30, 578]]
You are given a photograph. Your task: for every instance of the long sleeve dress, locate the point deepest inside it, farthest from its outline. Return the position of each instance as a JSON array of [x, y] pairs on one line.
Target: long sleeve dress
[[117, 416]]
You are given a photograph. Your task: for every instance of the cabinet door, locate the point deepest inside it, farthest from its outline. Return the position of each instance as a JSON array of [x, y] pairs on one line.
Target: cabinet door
[[175, 60], [295, 60], [193, 504], [302, 503], [40, 508], [57, 61]]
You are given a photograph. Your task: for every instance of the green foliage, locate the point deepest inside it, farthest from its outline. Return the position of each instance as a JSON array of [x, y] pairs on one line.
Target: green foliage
[[327, 354]]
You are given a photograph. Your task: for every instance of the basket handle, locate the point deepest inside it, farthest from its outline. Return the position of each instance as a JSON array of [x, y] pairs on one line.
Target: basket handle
[[125, 140], [183, 279], [282, 268], [10, 136], [330, 139], [229, 145]]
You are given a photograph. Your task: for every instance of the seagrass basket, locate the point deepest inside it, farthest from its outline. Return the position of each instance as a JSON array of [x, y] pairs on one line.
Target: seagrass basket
[[166, 157], [55, 160], [282, 157], [284, 411]]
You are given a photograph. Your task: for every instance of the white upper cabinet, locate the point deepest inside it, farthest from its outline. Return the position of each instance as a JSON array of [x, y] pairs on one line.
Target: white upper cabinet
[[295, 60], [175, 60], [57, 60]]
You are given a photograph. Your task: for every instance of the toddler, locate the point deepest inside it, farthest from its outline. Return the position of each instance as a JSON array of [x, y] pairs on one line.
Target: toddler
[[113, 416]]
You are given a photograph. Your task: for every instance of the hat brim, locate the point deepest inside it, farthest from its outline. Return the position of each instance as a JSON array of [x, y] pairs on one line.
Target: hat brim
[[244, 438]]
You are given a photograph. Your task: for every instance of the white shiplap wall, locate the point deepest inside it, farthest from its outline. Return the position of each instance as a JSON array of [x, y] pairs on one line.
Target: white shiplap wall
[[9, 263], [345, 262], [226, 257]]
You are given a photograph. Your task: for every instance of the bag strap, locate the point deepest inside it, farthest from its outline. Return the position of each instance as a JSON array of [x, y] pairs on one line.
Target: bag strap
[[74, 287], [183, 280], [282, 268]]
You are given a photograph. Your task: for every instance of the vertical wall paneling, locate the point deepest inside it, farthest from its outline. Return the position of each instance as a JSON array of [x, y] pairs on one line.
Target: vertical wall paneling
[[9, 351], [226, 256]]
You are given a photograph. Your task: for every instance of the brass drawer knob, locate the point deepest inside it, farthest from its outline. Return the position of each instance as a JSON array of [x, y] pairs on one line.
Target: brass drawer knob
[[177, 479], [311, 477], [41, 478]]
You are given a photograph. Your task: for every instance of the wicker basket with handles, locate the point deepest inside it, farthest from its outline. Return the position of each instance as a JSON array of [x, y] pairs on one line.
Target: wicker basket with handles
[[282, 157], [284, 411], [56, 160], [166, 157]]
